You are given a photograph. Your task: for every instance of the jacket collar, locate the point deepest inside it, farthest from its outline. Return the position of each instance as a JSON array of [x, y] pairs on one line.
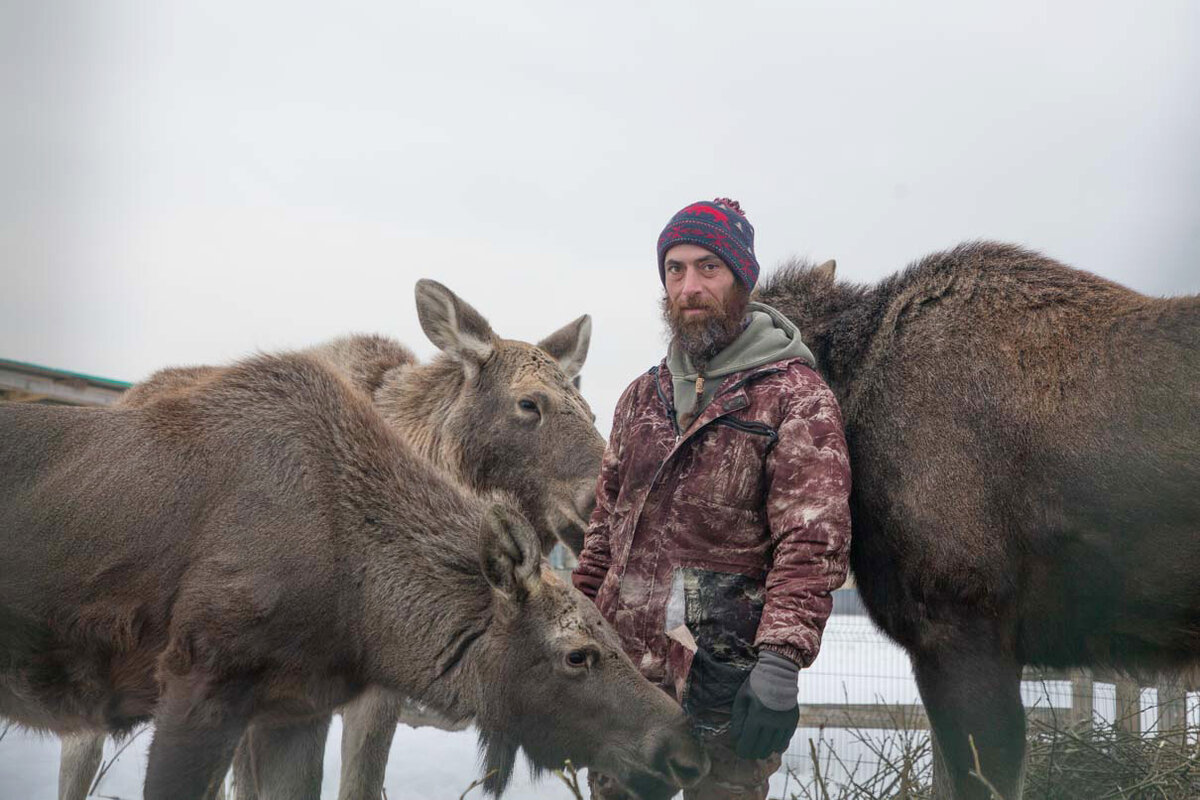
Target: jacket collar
[[731, 396]]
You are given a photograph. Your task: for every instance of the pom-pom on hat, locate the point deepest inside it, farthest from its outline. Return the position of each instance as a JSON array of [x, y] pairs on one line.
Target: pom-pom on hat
[[720, 226]]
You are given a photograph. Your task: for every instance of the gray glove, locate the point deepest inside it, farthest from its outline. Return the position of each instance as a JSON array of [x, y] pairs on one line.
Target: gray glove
[[765, 712]]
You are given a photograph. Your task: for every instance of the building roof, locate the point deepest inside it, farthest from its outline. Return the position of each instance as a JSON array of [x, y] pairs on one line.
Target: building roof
[[33, 383]]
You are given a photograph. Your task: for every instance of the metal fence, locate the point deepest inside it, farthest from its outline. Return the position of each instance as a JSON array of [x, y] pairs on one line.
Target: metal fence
[[860, 694]]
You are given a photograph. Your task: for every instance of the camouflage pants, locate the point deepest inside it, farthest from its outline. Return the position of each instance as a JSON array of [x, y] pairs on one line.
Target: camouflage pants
[[731, 778]]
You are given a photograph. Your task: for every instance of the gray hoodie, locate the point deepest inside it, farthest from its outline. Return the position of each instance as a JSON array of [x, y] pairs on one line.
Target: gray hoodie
[[769, 337]]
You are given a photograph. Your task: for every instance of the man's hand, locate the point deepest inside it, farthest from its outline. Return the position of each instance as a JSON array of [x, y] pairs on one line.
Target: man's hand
[[588, 584], [765, 712]]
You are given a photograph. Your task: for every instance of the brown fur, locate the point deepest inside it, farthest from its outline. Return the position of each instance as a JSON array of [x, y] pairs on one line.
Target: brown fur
[[460, 411], [1024, 438], [453, 414], [263, 546]]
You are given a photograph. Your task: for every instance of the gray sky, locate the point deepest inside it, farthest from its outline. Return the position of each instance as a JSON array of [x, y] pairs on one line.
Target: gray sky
[[189, 182]]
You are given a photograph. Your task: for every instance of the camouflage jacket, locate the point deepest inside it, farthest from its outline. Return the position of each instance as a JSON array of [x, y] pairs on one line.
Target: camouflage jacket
[[738, 527]]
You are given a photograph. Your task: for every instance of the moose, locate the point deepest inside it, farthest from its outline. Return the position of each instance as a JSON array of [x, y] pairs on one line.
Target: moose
[[1025, 440], [463, 413], [258, 548]]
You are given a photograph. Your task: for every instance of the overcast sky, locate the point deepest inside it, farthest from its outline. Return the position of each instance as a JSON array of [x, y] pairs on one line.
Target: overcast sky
[[188, 182]]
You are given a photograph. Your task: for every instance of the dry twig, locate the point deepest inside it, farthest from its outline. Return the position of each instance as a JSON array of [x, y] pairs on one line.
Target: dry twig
[[107, 765], [476, 783], [570, 776]]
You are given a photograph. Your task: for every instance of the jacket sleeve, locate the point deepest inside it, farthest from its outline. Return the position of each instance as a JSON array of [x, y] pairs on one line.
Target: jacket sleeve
[[596, 557], [808, 491]]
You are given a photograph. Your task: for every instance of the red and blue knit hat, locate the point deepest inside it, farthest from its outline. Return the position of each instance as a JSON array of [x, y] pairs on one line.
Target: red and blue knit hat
[[721, 227]]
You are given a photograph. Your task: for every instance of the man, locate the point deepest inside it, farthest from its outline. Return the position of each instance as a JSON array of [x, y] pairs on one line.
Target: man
[[721, 524]]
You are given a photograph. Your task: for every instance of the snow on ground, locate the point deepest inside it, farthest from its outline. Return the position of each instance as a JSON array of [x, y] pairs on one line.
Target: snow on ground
[[425, 764]]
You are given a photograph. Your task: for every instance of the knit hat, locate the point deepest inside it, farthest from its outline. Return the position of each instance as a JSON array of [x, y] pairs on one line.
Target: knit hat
[[720, 226]]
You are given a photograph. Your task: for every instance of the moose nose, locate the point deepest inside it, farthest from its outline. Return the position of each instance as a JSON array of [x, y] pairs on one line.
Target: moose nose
[[683, 760]]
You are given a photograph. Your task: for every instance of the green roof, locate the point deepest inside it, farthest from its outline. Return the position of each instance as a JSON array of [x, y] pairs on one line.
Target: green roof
[[50, 372]]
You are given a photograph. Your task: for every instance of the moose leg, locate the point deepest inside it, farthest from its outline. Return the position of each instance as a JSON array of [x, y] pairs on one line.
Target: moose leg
[[77, 764], [281, 762], [368, 725], [972, 694], [196, 728]]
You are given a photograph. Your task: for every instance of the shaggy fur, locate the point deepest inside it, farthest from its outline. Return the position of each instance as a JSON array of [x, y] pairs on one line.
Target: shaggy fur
[[453, 414], [263, 546], [1024, 438]]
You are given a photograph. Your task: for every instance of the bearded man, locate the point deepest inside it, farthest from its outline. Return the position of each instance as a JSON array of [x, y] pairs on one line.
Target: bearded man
[[722, 523]]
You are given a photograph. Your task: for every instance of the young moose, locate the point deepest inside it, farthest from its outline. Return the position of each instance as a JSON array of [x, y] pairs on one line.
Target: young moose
[[261, 547], [469, 412], [1025, 440]]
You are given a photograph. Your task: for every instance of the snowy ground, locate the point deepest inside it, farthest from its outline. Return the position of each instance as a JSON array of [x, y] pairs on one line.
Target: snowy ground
[[857, 665], [425, 764]]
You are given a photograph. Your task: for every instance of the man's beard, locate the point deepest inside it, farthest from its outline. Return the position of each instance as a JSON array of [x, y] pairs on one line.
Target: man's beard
[[702, 337]]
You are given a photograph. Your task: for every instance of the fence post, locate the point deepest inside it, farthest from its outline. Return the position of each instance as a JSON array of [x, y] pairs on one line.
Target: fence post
[[1129, 706], [1082, 690], [1172, 709]]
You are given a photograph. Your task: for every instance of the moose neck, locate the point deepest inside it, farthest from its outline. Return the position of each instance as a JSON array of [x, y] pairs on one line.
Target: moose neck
[[418, 401], [426, 609], [841, 335]]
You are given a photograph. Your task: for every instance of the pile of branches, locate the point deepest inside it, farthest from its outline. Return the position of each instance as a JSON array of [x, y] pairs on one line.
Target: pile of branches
[[1063, 763], [1106, 763], [896, 764]]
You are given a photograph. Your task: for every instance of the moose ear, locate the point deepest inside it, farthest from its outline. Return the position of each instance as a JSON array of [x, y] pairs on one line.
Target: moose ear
[[825, 271], [569, 345], [451, 324], [509, 553]]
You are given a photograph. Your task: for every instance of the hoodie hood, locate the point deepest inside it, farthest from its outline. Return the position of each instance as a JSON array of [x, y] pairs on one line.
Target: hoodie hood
[[768, 337]]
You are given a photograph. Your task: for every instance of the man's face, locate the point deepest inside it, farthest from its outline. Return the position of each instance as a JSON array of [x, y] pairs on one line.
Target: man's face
[[697, 279], [704, 304]]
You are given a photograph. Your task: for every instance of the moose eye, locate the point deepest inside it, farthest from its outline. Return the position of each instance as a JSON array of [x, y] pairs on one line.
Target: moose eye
[[525, 404], [577, 658]]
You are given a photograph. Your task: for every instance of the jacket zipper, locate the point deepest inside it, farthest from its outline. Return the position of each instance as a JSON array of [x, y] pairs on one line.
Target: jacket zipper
[[755, 428], [670, 409], [758, 428]]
